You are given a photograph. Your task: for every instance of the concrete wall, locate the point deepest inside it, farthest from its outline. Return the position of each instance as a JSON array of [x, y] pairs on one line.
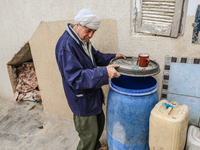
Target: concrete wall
[[19, 19]]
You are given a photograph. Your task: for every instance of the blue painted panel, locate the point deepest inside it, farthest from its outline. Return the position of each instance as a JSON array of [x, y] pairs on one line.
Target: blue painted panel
[[192, 103], [184, 79]]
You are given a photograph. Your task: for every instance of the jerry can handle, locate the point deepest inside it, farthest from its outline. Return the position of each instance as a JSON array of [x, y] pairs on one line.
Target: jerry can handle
[[169, 108], [168, 111]]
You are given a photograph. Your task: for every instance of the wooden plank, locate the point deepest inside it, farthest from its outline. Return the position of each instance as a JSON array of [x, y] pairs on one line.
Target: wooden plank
[[156, 29], [156, 23], [138, 25], [22, 56], [157, 19], [184, 15], [177, 18], [159, 3], [158, 13], [158, 10], [159, 6], [158, 16], [12, 76]]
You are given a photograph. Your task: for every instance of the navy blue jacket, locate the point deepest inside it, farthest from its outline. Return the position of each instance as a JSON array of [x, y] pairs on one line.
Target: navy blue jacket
[[82, 79]]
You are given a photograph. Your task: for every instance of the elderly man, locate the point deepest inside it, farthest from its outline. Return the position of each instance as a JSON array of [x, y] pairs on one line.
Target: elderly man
[[82, 79]]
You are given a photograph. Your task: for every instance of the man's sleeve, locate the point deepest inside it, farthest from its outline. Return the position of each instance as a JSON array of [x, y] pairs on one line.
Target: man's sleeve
[[101, 58], [80, 78]]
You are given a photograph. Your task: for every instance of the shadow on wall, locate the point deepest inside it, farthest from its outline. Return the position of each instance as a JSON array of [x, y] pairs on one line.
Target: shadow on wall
[[196, 25]]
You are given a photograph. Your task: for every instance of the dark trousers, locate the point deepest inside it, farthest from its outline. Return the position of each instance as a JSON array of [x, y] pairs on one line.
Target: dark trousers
[[89, 130]]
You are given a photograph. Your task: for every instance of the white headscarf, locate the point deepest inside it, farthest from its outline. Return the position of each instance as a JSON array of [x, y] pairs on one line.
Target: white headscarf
[[87, 18]]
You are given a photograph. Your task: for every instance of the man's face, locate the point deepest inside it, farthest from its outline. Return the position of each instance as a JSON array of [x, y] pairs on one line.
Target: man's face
[[84, 33]]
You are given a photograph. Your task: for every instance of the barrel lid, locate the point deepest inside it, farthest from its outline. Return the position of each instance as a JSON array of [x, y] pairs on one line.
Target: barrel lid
[[128, 67]]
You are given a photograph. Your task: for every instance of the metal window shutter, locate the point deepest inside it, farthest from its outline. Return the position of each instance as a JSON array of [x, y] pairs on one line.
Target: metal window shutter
[[160, 17]]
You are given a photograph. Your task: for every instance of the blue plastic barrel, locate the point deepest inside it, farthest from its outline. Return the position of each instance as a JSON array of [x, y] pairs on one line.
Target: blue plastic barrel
[[130, 101]]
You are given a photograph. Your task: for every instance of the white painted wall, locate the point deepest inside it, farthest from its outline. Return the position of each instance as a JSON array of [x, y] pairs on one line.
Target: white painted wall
[[192, 7], [20, 18]]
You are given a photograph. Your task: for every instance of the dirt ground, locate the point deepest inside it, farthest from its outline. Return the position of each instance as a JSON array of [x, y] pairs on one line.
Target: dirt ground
[[23, 128]]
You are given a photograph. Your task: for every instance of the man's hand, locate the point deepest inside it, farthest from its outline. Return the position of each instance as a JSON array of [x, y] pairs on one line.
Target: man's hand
[[112, 73], [120, 55]]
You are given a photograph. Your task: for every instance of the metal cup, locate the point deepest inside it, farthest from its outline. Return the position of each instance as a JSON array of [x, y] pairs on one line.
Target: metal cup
[[143, 59]]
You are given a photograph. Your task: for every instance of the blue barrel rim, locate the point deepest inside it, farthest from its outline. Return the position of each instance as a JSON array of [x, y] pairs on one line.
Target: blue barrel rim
[[134, 92]]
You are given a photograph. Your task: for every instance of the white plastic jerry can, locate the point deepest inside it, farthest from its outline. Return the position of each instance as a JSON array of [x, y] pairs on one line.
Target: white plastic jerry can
[[168, 126], [193, 139]]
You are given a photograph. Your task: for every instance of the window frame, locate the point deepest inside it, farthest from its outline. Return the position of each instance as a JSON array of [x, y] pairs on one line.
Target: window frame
[[179, 19]]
